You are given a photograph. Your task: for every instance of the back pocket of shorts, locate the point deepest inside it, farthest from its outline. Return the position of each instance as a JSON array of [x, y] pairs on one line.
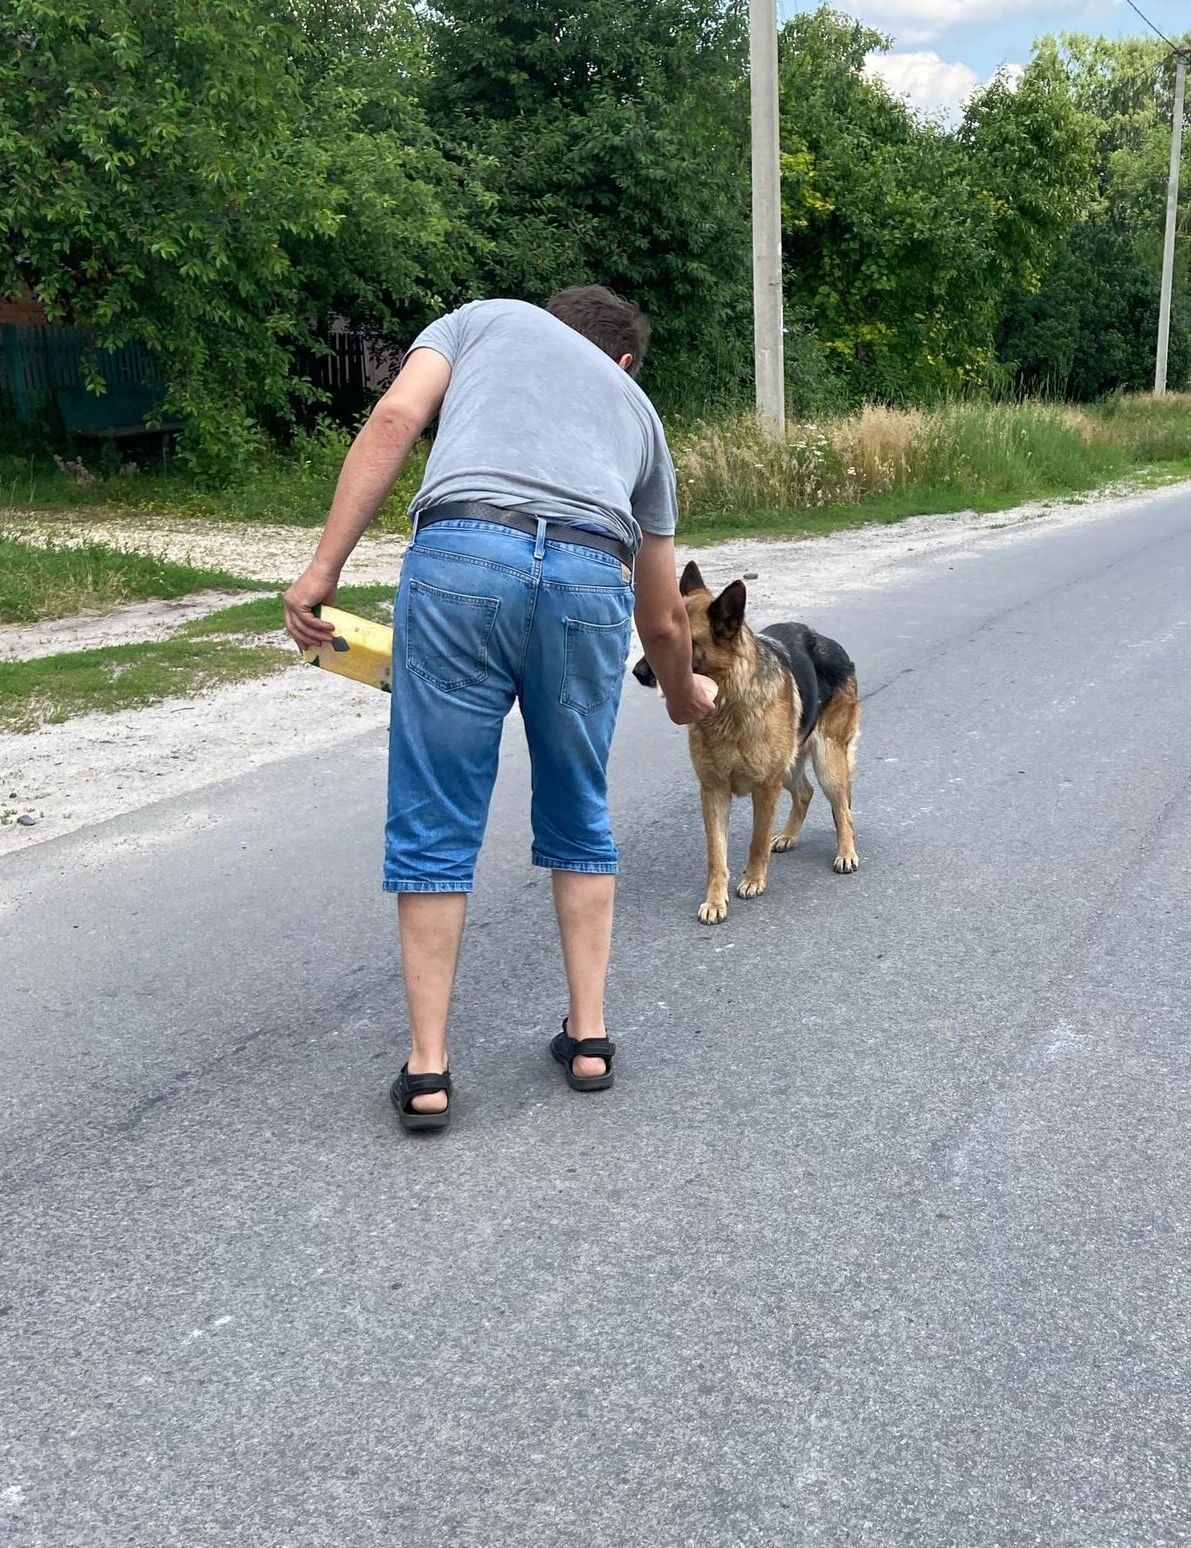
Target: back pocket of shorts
[[593, 669], [447, 635]]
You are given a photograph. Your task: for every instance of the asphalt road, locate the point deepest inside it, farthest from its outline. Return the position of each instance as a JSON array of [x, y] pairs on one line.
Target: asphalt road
[[882, 1238]]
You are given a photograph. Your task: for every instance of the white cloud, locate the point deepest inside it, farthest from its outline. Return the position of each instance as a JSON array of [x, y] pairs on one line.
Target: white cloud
[[919, 21], [931, 84], [926, 82]]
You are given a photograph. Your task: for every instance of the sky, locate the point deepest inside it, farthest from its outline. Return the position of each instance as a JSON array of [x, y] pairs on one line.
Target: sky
[[945, 49]]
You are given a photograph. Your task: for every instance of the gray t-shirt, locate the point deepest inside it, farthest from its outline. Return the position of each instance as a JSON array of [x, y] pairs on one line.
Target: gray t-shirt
[[537, 417]]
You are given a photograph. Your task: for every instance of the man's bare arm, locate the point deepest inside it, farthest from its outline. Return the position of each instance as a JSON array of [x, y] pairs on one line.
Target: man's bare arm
[[370, 470], [666, 634]]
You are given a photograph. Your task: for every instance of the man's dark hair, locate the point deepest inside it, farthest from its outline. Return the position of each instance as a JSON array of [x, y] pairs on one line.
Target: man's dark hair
[[613, 324]]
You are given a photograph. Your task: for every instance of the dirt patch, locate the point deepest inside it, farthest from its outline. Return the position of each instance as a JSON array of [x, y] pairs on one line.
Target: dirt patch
[[85, 771]]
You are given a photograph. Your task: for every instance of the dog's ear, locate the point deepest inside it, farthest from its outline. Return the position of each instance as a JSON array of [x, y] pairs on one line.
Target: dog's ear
[[726, 613], [691, 580]]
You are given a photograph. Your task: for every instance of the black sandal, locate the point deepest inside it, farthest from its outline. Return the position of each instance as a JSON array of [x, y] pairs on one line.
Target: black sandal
[[407, 1086], [566, 1049]]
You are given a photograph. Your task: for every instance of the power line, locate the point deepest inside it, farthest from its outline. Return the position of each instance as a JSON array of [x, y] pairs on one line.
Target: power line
[[1150, 24]]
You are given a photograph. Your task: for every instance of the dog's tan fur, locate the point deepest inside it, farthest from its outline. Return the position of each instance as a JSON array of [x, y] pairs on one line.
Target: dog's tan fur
[[751, 745]]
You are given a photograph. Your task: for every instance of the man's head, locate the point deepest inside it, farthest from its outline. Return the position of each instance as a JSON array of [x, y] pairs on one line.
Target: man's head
[[613, 324]]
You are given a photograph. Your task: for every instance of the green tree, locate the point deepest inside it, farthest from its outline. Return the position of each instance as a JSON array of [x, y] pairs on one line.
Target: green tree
[[212, 181], [901, 236], [875, 230], [1090, 328], [615, 141], [1028, 158], [1088, 324], [407, 239]]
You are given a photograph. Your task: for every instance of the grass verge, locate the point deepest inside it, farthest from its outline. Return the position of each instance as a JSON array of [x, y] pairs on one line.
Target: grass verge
[[289, 485], [886, 464], [264, 613], [878, 464], [118, 677], [55, 582], [198, 656]]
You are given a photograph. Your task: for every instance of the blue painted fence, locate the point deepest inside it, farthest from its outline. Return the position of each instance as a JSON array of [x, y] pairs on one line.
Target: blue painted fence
[[41, 362]]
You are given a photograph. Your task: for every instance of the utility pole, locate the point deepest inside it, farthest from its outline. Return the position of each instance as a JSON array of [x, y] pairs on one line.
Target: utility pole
[[767, 219], [1172, 220]]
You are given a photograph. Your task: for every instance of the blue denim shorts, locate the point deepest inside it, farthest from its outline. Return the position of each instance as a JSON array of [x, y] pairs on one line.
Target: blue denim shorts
[[487, 617]]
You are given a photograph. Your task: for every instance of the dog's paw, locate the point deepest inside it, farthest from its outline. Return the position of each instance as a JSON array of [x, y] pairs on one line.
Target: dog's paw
[[782, 843], [846, 863], [713, 911], [751, 887]]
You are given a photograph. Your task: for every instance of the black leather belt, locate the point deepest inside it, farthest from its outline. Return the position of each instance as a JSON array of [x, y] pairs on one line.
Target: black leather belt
[[520, 521]]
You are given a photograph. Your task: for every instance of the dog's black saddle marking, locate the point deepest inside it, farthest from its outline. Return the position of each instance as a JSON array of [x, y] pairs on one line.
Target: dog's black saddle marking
[[819, 666]]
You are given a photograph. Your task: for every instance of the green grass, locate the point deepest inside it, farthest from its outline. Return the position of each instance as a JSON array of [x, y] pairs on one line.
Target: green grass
[[707, 527], [265, 613], [54, 582], [198, 656], [119, 677]]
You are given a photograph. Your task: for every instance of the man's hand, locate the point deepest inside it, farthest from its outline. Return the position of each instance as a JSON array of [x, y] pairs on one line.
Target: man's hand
[[666, 634], [313, 587], [697, 705]]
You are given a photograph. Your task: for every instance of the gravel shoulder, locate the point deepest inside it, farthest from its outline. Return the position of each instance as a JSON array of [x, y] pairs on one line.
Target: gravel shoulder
[[90, 769], [270, 554]]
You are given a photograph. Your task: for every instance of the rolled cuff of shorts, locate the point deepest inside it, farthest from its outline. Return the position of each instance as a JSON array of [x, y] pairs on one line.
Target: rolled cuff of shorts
[[583, 867], [409, 884]]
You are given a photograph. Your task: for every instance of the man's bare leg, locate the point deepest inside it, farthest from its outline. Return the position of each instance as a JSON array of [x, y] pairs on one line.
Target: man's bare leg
[[584, 905], [431, 929]]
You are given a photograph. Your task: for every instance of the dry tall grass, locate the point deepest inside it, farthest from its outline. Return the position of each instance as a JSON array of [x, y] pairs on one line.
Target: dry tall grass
[[981, 452], [877, 449], [731, 465]]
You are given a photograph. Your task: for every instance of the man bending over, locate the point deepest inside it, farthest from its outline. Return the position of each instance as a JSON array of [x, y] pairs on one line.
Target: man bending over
[[548, 499]]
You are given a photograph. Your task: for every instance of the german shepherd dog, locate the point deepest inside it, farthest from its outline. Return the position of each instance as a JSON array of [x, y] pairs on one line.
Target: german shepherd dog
[[785, 694]]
